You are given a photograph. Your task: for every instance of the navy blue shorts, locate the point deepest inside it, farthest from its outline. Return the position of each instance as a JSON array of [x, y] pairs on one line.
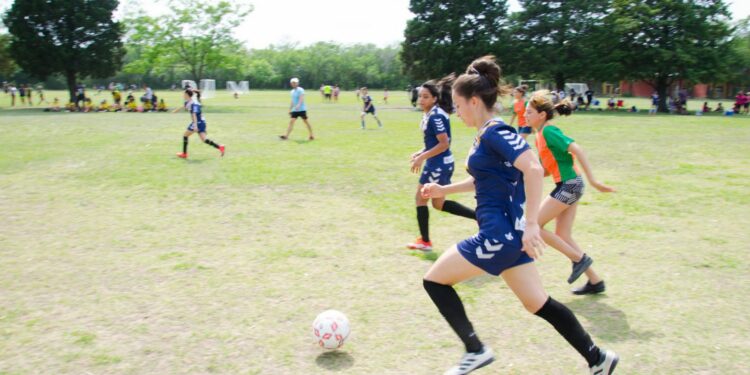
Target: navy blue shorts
[[437, 171], [491, 255], [201, 127], [371, 110], [524, 130]]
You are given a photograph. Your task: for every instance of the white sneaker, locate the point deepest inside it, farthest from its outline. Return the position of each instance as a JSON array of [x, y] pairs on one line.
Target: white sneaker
[[608, 364], [472, 361]]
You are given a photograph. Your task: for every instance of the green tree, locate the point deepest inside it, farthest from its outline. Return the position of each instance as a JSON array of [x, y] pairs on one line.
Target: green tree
[[76, 38], [663, 41], [740, 60], [196, 36], [7, 65], [445, 36], [559, 40]]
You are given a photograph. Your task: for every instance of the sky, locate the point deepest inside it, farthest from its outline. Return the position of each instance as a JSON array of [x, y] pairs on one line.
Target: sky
[[347, 21], [343, 21]]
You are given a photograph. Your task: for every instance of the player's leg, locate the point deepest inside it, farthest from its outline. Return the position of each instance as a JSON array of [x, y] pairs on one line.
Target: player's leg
[[289, 128], [423, 222], [526, 284], [452, 268], [550, 209], [362, 119], [564, 229], [185, 138], [309, 127]]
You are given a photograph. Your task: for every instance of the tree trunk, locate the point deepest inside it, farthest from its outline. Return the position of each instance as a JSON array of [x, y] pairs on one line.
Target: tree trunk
[[559, 81], [662, 86], [70, 77]]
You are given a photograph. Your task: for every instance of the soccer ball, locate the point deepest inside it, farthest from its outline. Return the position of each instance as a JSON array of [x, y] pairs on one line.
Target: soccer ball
[[330, 329]]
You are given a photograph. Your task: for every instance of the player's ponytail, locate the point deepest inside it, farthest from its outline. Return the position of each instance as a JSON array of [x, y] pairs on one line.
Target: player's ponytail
[[441, 90], [483, 79], [194, 94], [541, 102]]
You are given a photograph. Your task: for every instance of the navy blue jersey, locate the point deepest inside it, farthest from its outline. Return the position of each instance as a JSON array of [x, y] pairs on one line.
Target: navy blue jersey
[[195, 107], [368, 100], [434, 123], [499, 185]]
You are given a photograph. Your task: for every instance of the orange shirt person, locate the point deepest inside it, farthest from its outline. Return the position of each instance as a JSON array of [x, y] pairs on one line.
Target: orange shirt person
[[519, 111]]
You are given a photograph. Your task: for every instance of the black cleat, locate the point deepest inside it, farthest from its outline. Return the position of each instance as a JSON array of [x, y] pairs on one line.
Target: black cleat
[[579, 268], [590, 288]]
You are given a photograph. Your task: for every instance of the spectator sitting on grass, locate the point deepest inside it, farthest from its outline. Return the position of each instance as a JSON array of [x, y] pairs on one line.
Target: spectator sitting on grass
[[719, 108], [706, 108]]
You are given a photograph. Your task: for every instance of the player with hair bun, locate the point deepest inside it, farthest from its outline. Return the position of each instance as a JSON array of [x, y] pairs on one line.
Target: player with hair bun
[[505, 173]]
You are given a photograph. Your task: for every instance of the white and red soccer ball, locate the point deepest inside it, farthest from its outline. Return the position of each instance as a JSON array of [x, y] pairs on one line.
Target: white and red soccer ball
[[330, 329]]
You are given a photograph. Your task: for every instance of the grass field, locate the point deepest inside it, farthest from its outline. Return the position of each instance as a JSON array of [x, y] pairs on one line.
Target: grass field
[[116, 257]]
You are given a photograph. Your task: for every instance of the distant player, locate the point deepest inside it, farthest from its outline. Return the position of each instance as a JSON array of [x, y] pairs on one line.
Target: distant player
[[197, 124], [519, 111], [385, 96], [436, 103], [654, 103], [369, 107], [297, 109]]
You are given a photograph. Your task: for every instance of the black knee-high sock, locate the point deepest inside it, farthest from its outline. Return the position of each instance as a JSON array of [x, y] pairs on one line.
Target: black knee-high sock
[[456, 208], [184, 144], [447, 301], [568, 326], [212, 143], [423, 219]]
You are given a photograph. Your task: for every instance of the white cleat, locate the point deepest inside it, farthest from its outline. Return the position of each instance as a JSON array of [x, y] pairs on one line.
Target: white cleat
[[607, 365], [472, 361]]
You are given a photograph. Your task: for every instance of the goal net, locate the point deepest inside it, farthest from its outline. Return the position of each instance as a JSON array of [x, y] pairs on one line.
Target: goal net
[[188, 83], [208, 88], [242, 87]]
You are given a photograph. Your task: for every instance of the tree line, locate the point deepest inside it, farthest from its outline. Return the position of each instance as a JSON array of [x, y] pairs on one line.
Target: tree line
[[656, 41]]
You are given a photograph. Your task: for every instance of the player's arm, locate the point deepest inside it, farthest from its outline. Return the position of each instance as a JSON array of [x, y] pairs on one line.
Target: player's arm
[[580, 155], [512, 117], [443, 144], [301, 101], [533, 177], [195, 118], [432, 190], [177, 109]]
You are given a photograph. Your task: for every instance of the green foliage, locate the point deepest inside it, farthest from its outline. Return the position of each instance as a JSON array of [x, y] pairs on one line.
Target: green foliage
[[663, 41], [559, 39], [75, 38], [196, 37], [7, 65], [323, 62], [740, 59], [446, 36]]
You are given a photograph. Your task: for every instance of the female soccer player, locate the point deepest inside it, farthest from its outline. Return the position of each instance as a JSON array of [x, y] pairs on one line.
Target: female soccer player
[[198, 123], [558, 154], [369, 108], [503, 172], [519, 110], [297, 108], [437, 104]]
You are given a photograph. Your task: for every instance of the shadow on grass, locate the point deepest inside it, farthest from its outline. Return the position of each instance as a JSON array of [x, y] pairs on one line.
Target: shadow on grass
[[335, 360], [425, 255], [194, 161], [608, 323], [302, 142]]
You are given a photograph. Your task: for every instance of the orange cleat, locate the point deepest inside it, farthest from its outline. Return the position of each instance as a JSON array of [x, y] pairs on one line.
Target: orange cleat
[[221, 149], [420, 244], [182, 155]]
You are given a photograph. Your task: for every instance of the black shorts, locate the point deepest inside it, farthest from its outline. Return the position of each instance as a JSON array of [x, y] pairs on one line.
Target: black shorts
[[569, 192], [302, 114], [746, 105], [328, 96]]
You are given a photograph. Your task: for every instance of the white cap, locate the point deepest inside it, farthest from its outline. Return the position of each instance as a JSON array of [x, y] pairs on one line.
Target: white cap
[[294, 80]]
